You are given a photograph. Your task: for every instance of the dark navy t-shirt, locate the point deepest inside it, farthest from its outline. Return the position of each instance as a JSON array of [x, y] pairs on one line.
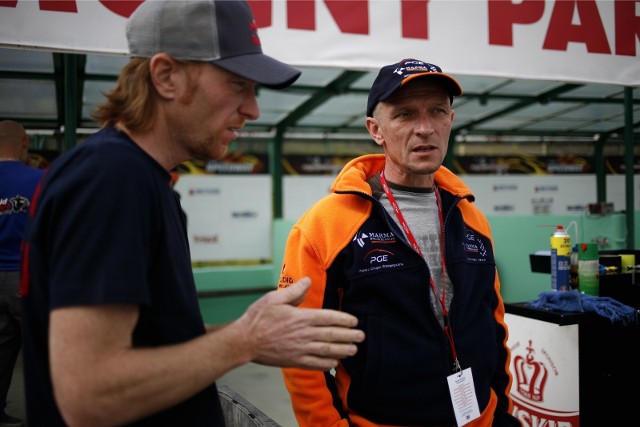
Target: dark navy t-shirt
[[108, 228]]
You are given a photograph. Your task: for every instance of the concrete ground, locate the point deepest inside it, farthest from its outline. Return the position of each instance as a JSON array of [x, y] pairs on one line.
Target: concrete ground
[[263, 386], [15, 398]]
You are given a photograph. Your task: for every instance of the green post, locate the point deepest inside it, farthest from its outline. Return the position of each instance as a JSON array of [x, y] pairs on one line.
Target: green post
[[448, 159], [598, 157], [70, 98], [629, 165], [275, 160]]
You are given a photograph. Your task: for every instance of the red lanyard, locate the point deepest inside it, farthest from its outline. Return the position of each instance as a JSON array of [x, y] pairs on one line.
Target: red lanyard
[[445, 314]]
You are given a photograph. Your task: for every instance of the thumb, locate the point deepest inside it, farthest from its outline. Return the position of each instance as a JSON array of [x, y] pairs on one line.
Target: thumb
[[294, 294]]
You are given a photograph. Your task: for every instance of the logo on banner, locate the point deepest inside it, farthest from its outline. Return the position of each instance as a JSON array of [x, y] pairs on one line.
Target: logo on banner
[[203, 191], [542, 205], [546, 188], [536, 380], [531, 375], [505, 187], [504, 208]]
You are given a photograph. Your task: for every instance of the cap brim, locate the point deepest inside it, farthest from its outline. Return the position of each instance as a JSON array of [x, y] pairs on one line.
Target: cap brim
[[451, 84], [262, 69]]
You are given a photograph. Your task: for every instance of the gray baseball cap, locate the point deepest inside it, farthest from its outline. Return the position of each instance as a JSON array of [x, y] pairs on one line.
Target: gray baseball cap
[[222, 32]]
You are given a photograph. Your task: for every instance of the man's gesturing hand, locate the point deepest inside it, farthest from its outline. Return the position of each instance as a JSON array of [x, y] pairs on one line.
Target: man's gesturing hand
[[279, 333]]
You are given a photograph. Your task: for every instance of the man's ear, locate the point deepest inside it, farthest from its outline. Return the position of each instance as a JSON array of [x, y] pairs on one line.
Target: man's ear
[[163, 68], [374, 130]]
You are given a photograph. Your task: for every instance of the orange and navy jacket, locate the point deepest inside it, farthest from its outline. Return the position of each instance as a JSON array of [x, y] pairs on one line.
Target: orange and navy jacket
[[359, 262]]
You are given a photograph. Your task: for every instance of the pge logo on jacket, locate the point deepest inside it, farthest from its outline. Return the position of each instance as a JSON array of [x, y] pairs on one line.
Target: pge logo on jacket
[[376, 251]]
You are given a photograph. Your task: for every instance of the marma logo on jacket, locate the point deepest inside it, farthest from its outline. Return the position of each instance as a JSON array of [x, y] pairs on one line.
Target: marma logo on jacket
[[374, 238]]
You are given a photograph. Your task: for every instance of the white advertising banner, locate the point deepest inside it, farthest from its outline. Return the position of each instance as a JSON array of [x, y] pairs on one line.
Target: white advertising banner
[[616, 192], [229, 217], [302, 191], [495, 194], [533, 194], [545, 369], [570, 40]]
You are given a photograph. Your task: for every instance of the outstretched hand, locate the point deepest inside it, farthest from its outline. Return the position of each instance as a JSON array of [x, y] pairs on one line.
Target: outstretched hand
[[281, 334]]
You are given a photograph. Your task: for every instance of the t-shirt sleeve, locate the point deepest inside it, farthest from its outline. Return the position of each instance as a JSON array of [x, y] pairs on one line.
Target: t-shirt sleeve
[[103, 230]]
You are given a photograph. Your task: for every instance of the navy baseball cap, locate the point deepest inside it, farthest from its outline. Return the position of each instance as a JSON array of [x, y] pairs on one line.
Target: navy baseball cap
[[218, 31], [392, 77]]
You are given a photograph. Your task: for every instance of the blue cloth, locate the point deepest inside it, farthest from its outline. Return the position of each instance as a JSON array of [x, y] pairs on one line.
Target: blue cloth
[[574, 301], [18, 182]]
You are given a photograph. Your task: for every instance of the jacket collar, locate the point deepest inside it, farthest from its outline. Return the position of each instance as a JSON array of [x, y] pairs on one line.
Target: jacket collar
[[354, 176]]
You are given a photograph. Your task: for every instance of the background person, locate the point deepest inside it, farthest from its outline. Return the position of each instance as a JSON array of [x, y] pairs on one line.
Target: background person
[[400, 245], [113, 329], [18, 182]]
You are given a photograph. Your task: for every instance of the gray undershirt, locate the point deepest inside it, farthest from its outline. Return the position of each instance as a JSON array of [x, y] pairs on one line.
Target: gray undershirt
[[420, 210]]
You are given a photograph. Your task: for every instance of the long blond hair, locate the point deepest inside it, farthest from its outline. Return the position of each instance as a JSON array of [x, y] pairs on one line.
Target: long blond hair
[[132, 101]]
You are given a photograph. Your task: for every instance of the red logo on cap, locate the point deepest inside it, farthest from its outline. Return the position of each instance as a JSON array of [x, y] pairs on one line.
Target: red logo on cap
[[253, 27]]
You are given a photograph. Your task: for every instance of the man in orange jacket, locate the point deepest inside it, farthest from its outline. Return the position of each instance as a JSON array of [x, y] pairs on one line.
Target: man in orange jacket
[[400, 245]]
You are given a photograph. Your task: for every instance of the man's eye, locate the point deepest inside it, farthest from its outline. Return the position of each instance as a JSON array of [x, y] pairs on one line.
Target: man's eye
[[240, 85]]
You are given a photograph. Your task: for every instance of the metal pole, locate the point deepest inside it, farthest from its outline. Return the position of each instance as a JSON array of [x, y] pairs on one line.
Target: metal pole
[[448, 158], [275, 160], [70, 97], [629, 165], [598, 158]]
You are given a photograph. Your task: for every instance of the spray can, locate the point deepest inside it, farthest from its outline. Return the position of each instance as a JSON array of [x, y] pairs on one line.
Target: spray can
[[589, 269], [560, 259]]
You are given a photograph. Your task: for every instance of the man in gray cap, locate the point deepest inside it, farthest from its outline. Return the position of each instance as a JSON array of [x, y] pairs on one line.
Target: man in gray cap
[[113, 331]]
